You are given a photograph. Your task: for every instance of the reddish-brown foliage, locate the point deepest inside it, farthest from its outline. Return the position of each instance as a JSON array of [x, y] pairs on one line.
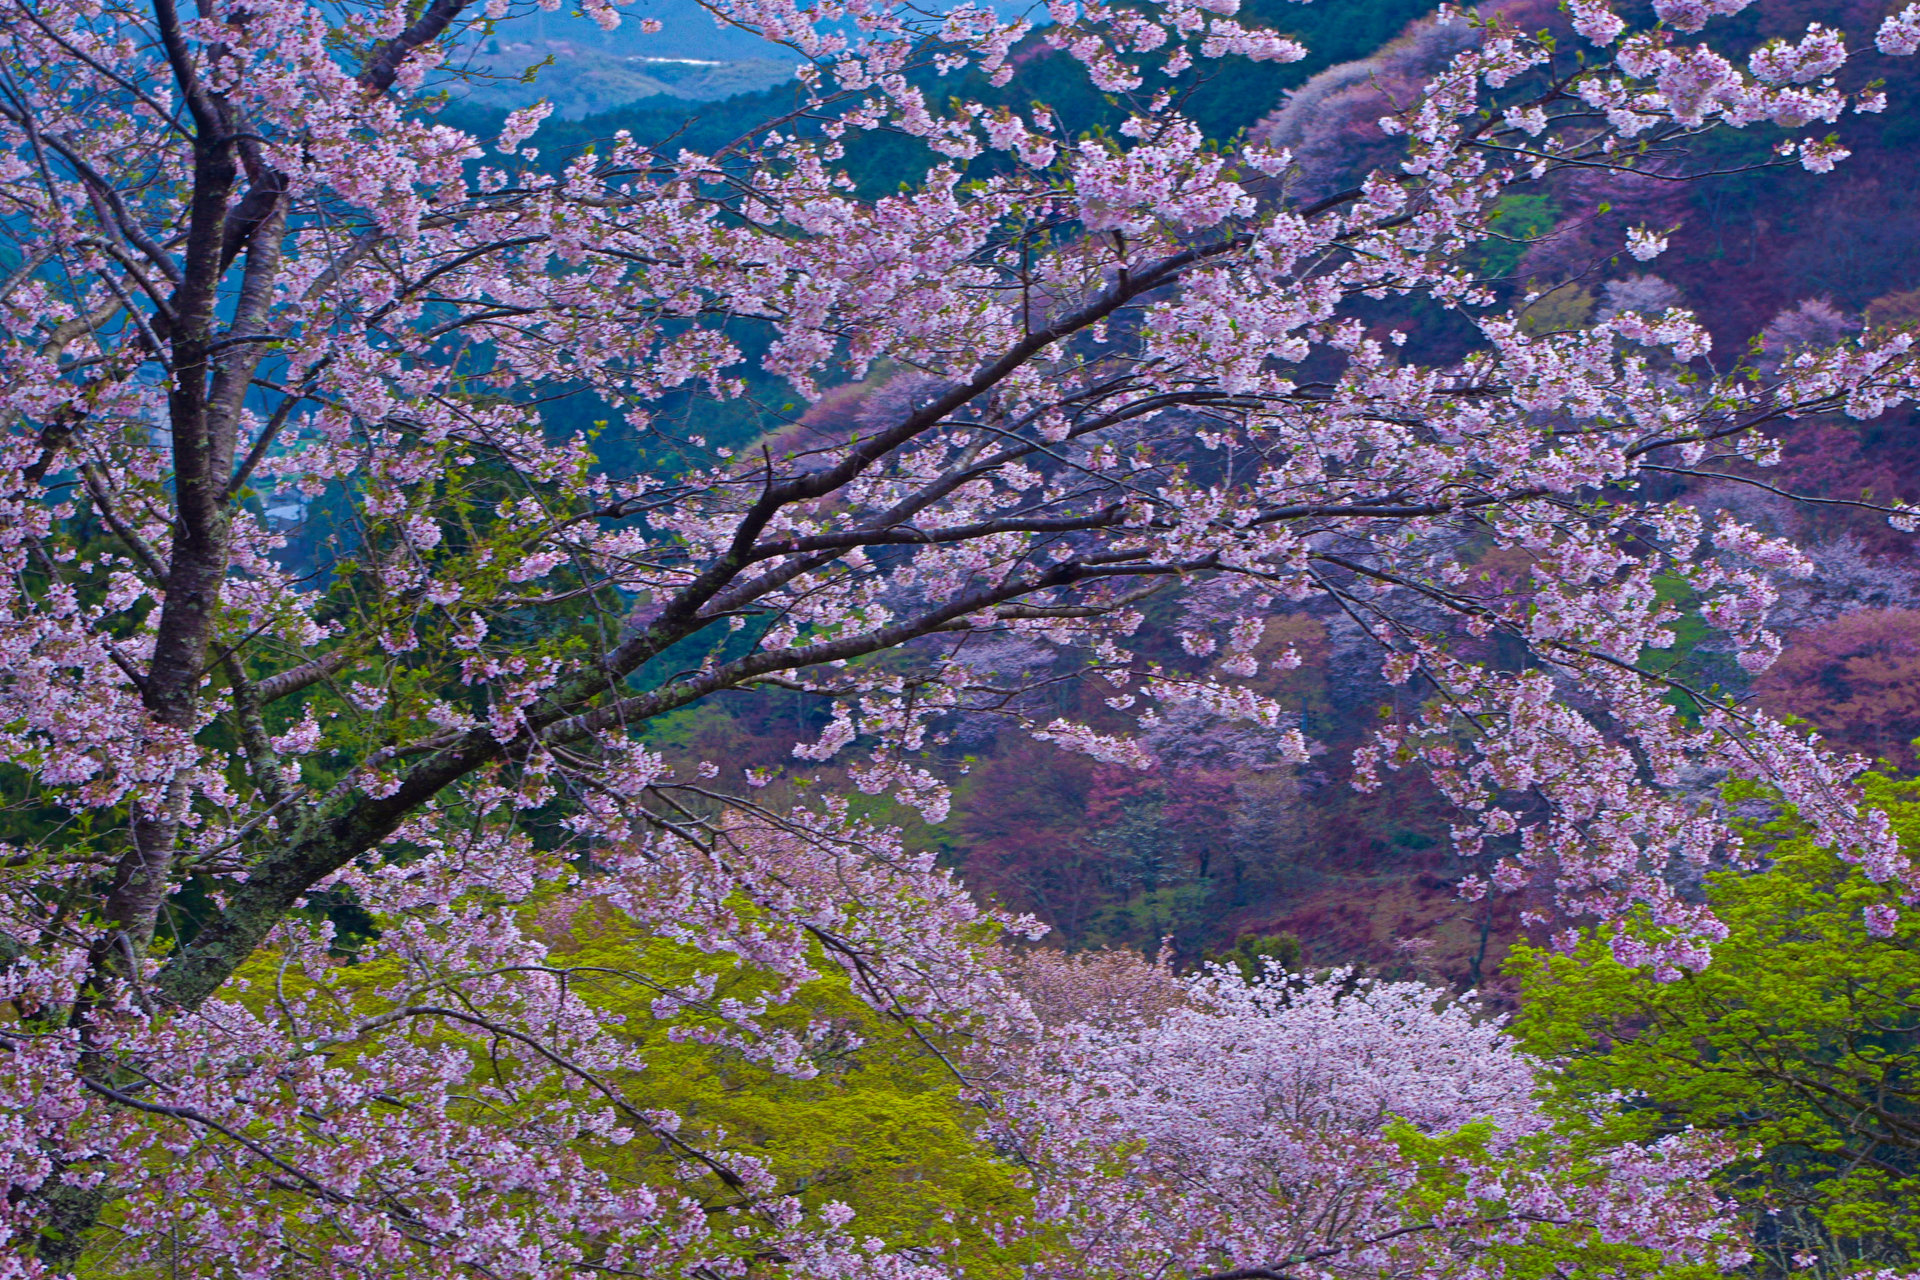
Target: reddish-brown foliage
[[1857, 679]]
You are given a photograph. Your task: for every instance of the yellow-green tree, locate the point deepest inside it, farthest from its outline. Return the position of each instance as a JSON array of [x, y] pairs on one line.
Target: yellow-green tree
[[1802, 1038], [887, 1126]]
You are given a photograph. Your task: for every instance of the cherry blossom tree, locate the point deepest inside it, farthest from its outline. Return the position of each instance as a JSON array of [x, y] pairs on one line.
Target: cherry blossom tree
[[1336, 1126], [283, 827]]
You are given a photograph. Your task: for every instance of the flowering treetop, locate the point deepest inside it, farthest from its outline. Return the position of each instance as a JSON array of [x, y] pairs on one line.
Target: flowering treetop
[[1334, 1126]]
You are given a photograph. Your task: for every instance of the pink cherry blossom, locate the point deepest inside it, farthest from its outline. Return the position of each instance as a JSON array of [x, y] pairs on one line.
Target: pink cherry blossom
[[1266, 1124]]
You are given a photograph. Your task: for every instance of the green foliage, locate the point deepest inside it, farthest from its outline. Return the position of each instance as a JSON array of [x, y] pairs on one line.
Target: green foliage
[[1251, 951], [884, 1129], [1168, 911], [1517, 221], [1801, 1040], [1684, 660], [1451, 1171], [885, 1126], [1560, 310]]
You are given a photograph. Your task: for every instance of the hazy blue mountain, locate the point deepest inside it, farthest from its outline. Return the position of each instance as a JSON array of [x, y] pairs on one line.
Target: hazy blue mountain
[[591, 71], [687, 31], [566, 58]]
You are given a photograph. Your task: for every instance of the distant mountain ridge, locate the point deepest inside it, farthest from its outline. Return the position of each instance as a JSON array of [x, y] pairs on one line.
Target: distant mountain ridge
[[686, 31], [564, 57], [582, 82], [692, 57]]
